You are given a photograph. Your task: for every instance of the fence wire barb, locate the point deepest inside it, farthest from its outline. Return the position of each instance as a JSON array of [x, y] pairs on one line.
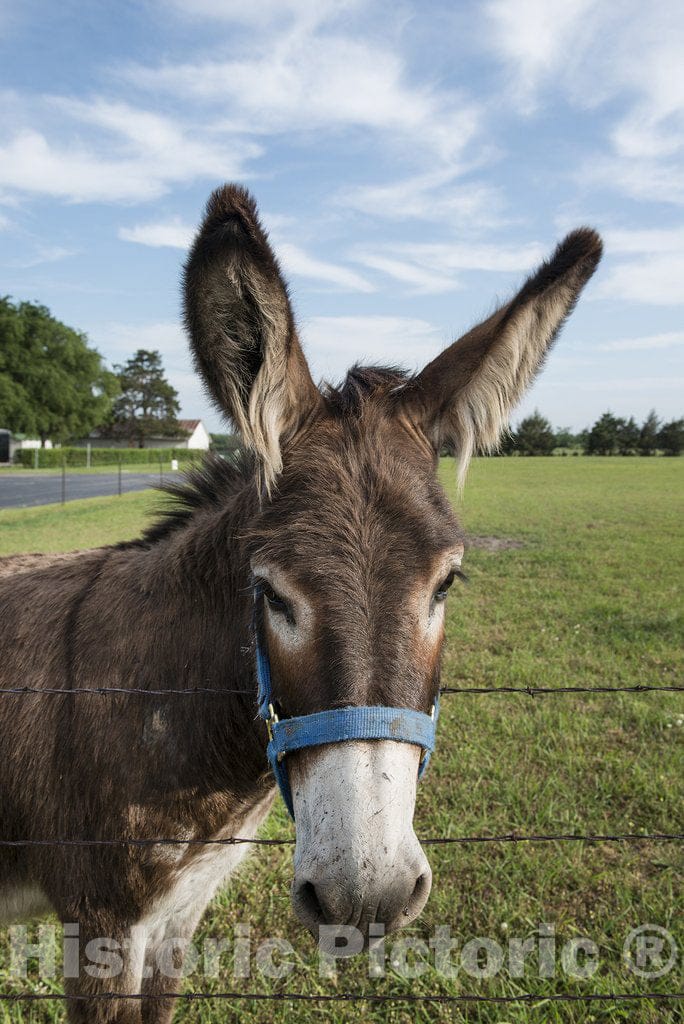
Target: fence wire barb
[[508, 837], [342, 997], [529, 691], [534, 691]]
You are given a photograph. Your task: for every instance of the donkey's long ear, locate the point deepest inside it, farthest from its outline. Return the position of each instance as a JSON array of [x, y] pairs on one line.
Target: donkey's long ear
[[242, 330], [463, 399]]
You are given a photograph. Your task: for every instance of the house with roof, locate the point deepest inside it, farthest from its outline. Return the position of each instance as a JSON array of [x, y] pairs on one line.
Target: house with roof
[[198, 436], [195, 435]]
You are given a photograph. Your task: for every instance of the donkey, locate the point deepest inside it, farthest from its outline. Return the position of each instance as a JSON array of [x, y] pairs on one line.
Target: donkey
[[333, 511]]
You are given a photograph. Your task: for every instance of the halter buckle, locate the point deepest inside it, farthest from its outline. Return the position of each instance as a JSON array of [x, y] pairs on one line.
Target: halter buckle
[[271, 720], [424, 750]]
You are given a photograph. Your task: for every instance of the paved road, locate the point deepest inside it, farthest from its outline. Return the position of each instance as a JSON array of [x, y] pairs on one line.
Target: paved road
[[21, 490]]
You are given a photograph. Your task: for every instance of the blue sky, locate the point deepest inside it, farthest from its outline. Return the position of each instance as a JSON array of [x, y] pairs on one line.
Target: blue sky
[[412, 162]]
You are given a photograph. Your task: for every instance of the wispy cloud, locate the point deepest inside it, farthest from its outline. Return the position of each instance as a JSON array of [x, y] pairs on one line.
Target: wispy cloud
[[421, 279], [648, 386], [654, 280], [133, 155], [173, 234], [43, 254], [596, 52], [302, 81], [533, 38], [437, 195], [296, 261], [643, 265], [668, 339], [265, 12], [645, 240], [334, 343], [432, 268]]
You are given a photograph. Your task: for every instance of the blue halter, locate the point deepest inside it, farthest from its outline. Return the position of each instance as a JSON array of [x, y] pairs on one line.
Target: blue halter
[[353, 723]]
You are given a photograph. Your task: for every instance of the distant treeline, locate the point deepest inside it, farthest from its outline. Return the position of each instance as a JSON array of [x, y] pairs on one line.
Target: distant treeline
[[610, 435]]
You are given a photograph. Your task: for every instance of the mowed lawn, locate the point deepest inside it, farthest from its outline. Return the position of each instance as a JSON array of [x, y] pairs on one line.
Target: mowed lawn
[[591, 598]]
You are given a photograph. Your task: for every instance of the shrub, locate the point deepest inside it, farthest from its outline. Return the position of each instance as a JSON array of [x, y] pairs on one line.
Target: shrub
[[54, 458]]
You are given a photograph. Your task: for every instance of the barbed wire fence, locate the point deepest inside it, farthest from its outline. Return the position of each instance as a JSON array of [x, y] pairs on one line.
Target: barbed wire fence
[[529, 998]]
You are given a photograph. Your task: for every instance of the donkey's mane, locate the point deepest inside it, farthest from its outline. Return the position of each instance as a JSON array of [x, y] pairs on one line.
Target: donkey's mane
[[210, 484], [362, 383]]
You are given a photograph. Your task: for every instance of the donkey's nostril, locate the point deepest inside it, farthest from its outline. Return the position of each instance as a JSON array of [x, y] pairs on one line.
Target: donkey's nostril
[[322, 903], [307, 905], [421, 891], [309, 900], [397, 914]]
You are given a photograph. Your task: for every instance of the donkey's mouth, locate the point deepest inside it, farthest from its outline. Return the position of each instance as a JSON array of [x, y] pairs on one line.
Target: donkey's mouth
[[345, 925], [314, 909]]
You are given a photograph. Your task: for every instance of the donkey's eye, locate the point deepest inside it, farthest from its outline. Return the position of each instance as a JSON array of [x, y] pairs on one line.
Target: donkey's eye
[[275, 601], [443, 588]]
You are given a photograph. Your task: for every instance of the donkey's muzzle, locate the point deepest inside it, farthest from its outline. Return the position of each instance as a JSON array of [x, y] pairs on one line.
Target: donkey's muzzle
[[357, 859], [392, 899]]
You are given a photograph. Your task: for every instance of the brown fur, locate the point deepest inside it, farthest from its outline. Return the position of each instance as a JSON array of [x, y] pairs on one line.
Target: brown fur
[[353, 513]]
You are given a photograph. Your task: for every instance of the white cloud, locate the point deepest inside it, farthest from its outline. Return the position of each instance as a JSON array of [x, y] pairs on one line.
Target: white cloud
[[303, 81], [644, 240], [534, 38], [650, 180], [134, 155], [668, 339], [421, 279], [596, 52], [641, 265], [297, 262], [646, 385], [264, 12], [432, 267], [655, 280], [334, 343], [173, 234], [43, 254], [496, 258], [434, 196], [118, 341]]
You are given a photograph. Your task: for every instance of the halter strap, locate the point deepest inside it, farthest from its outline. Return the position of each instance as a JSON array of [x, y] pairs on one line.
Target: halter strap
[[378, 722]]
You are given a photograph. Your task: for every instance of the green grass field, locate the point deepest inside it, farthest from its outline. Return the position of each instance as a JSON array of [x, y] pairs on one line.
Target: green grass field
[[590, 598]]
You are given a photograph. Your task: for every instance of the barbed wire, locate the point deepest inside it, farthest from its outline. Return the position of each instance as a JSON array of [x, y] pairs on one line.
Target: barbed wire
[[339, 997], [533, 691], [530, 691], [508, 837]]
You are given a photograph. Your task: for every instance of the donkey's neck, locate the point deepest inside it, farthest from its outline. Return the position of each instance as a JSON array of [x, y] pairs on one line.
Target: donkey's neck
[[188, 610]]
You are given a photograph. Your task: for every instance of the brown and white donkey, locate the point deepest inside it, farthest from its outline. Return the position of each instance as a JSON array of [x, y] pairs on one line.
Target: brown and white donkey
[[335, 507]]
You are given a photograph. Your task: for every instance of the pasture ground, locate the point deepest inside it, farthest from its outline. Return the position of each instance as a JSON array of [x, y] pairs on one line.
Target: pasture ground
[[591, 598]]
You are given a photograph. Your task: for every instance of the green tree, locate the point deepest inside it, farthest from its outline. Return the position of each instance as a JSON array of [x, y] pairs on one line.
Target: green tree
[[148, 405], [508, 443], [565, 438], [671, 437], [648, 439], [52, 384], [628, 437], [535, 436], [224, 442], [603, 438]]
